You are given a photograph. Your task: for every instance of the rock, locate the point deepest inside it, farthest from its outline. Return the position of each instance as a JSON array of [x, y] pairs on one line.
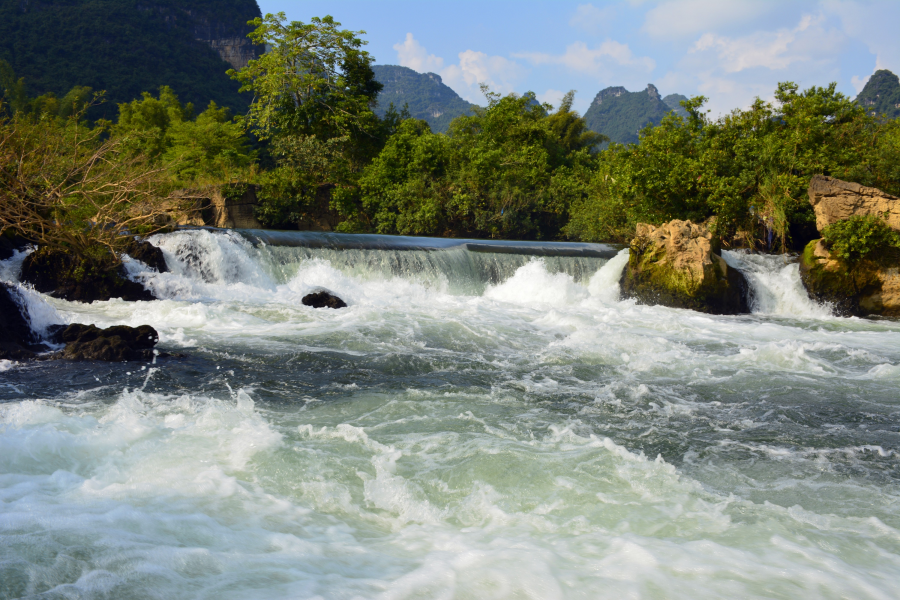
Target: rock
[[9, 243], [678, 265], [835, 200], [61, 274], [148, 254], [113, 344], [323, 299], [870, 289], [17, 340]]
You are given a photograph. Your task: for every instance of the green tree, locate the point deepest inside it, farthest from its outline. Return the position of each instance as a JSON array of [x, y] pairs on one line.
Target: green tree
[[314, 94], [510, 170]]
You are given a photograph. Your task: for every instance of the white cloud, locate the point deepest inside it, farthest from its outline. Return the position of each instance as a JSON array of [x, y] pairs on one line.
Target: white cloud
[[732, 71], [859, 82], [598, 61], [551, 96], [475, 68], [685, 18], [465, 78], [873, 24], [772, 49], [410, 53], [591, 19]]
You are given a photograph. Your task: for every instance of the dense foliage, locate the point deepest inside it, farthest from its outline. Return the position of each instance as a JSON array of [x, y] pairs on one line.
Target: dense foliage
[[124, 47], [316, 145], [72, 188], [750, 169], [424, 95], [508, 171], [208, 148], [861, 238]]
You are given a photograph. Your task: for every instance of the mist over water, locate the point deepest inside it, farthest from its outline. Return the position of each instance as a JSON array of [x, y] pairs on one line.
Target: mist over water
[[471, 426]]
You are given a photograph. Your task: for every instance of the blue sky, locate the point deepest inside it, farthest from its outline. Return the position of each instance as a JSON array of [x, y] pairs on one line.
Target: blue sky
[[729, 51]]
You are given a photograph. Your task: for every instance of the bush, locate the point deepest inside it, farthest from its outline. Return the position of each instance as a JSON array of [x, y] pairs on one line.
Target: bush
[[861, 238]]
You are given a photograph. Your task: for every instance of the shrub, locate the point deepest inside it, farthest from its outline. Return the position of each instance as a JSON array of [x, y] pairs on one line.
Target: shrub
[[861, 238]]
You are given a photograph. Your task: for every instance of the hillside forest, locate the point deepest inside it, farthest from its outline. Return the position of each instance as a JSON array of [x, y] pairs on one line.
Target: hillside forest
[[513, 169]]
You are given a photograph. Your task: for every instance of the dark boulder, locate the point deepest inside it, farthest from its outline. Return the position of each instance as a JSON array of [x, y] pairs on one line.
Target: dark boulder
[[117, 343], [148, 254], [64, 275], [323, 299], [17, 340], [9, 243]]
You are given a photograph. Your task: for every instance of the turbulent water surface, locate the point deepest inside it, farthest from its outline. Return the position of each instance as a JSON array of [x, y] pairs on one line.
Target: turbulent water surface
[[472, 426]]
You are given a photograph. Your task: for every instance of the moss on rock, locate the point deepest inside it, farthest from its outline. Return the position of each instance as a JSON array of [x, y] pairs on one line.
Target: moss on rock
[[870, 287], [678, 265]]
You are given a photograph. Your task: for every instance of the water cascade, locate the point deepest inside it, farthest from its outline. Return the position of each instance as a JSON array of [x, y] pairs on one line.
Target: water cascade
[[475, 424]]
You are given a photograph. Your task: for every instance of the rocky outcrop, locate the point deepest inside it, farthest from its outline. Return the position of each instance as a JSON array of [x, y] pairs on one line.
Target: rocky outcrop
[[870, 288], [10, 243], [64, 275], [834, 200], [226, 207], [17, 341], [678, 265], [113, 344], [148, 254], [323, 299]]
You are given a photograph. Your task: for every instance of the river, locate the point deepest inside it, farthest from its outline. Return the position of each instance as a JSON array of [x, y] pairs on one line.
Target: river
[[473, 425]]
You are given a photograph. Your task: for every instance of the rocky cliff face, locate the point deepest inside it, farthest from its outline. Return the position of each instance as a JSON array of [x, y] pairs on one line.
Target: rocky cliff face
[[835, 200], [228, 39], [871, 287]]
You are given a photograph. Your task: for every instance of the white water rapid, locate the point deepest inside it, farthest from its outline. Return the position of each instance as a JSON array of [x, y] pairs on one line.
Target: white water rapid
[[473, 425]]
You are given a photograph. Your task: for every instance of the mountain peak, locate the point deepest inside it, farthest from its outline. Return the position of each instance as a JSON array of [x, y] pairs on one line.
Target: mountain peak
[[426, 95], [620, 114], [881, 94]]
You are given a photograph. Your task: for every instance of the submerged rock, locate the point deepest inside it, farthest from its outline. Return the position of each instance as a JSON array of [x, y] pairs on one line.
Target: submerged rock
[[834, 200], [148, 254], [678, 265], [871, 288], [64, 275], [117, 343], [323, 299], [16, 338]]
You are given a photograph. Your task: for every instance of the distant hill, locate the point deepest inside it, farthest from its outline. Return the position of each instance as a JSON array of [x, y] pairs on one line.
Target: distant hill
[[425, 94], [620, 114], [129, 46], [881, 95], [673, 101]]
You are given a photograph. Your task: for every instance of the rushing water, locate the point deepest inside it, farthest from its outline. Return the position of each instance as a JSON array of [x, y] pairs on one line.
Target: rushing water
[[472, 426]]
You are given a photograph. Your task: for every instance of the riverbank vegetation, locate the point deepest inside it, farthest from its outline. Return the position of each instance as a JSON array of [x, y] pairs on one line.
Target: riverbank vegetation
[[516, 169]]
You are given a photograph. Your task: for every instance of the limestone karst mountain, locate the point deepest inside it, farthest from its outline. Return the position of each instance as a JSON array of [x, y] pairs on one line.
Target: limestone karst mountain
[[881, 95], [130, 46], [425, 94], [620, 114]]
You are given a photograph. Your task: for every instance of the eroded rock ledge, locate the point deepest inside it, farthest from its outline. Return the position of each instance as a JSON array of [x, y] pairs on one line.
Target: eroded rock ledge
[[869, 288], [678, 265]]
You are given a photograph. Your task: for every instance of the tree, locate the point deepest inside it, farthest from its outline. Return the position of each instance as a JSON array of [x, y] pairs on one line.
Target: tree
[[508, 171], [74, 189], [314, 95]]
